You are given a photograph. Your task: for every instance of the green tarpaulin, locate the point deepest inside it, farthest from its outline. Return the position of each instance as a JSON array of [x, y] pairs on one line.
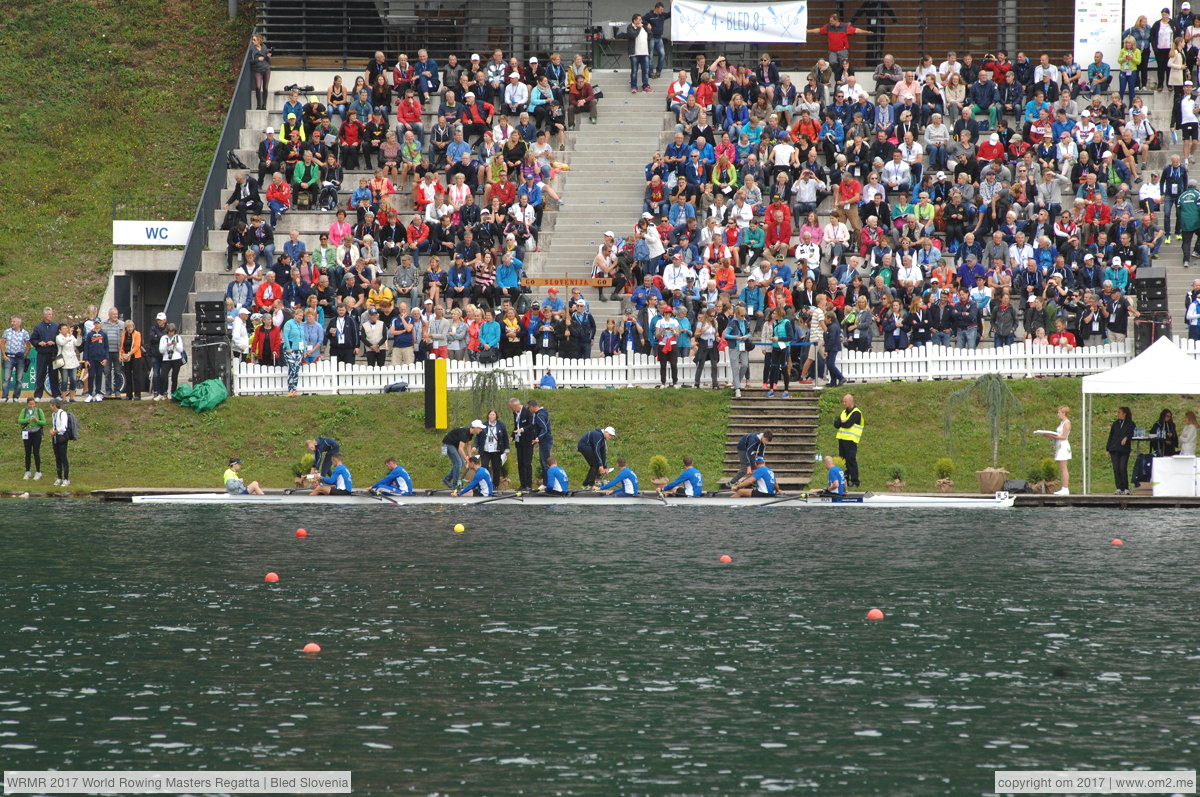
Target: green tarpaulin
[[204, 396]]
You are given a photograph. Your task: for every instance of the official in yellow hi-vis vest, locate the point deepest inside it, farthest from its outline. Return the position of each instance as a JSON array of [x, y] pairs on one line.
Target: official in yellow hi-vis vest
[[849, 427]]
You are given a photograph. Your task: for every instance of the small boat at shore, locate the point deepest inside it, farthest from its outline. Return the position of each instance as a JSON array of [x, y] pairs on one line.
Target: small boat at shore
[[583, 498]]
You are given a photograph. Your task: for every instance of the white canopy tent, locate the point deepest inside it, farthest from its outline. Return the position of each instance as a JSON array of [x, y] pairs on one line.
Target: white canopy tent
[[1161, 369]]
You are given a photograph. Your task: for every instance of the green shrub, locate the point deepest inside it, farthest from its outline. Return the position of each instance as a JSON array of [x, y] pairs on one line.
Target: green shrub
[[303, 466], [1049, 469], [944, 468], [659, 466], [895, 473]]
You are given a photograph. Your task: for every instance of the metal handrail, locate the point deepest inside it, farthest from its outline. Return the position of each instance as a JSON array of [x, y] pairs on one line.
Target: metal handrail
[[210, 198]]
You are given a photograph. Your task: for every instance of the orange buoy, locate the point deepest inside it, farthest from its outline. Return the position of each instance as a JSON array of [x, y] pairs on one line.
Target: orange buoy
[[1118, 541], [874, 614], [312, 647], [301, 533], [726, 557], [271, 577]]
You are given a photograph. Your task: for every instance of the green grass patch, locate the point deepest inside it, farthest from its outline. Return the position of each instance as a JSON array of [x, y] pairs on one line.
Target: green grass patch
[[161, 445], [905, 429], [104, 100]]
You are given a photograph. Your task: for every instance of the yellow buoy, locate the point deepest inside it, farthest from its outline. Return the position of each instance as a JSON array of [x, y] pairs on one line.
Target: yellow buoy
[[459, 528]]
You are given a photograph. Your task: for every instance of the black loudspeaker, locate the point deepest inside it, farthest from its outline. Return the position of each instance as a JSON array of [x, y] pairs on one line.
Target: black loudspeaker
[[210, 360], [210, 327], [210, 306], [1152, 305], [1151, 282], [1149, 327]]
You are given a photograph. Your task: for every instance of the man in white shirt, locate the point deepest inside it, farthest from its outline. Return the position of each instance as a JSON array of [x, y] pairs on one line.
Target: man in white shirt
[[1020, 251], [896, 174], [59, 423], [1188, 120], [808, 250], [675, 274], [948, 67], [1045, 67]]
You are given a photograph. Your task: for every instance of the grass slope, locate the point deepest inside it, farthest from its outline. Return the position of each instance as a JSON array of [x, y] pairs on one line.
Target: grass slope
[[105, 99], [904, 427], [162, 445]]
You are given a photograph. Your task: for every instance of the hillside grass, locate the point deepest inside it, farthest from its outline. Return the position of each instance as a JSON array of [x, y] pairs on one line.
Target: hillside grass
[[905, 428], [147, 444], [104, 100]]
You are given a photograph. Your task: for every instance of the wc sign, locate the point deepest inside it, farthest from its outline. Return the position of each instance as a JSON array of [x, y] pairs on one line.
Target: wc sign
[[151, 233]]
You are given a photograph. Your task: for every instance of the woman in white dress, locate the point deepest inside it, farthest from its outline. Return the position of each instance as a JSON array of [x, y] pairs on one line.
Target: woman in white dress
[[1187, 435], [1062, 447]]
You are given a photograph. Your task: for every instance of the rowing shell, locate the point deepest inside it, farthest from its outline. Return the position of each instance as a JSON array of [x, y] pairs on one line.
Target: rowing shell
[[797, 501]]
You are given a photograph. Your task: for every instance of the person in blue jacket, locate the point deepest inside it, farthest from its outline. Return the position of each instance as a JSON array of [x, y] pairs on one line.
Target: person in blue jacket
[[95, 352], [594, 448], [759, 484], [690, 483], [556, 479], [543, 435], [624, 484], [458, 285], [397, 482], [480, 480], [323, 449], [837, 478], [338, 482], [489, 340]]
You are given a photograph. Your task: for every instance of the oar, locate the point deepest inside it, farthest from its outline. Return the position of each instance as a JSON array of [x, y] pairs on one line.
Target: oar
[[716, 493], [511, 497], [662, 497], [788, 498], [440, 491], [382, 497]]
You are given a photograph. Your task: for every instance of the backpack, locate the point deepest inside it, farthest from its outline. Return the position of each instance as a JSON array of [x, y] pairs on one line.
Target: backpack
[[232, 161], [72, 427]]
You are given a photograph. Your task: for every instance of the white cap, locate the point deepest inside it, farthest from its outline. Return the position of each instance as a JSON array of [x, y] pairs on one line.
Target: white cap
[[1107, 154], [610, 234], [941, 175], [269, 131], [1116, 261], [474, 56], [779, 280], [244, 311], [478, 423], [469, 95], [513, 75], [160, 317], [647, 215], [1088, 257], [533, 59], [1086, 113], [608, 430], [995, 139]]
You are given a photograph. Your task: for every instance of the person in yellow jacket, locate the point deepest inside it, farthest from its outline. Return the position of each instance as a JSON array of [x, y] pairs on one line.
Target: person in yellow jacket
[[849, 425], [1128, 61]]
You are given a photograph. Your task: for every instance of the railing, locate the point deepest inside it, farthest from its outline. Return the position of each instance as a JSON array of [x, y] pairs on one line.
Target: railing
[[346, 34], [210, 197], [1022, 360], [152, 208]]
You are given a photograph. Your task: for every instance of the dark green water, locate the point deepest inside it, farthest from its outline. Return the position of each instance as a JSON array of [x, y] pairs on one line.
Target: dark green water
[[600, 652]]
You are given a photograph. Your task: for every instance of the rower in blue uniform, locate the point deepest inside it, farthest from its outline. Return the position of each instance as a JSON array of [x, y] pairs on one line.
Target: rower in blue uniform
[[690, 483], [480, 480], [837, 478], [556, 479], [397, 482], [338, 482], [759, 484], [624, 484]]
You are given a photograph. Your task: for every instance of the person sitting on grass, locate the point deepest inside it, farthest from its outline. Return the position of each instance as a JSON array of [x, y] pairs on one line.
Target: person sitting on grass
[[235, 485]]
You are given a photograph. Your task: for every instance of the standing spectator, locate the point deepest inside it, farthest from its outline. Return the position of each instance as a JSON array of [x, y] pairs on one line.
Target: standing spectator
[[153, 336], [639, 53], [295, 345], [260, 68], [170, 348], [1189, 219], [343, 336], [68, 354], [130, 355], [838, 35], [43, 339], [33, 423], [266, 343], [113, 375], [492, 442], [654, 20], [59, 424], [15, 345], [95, 352]]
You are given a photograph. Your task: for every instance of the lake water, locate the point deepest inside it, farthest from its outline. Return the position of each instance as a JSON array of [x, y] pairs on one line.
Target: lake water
[[600, 652]]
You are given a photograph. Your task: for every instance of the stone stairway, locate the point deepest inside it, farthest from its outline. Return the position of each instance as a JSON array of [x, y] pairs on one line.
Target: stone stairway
[[793, 425], [606, 183]]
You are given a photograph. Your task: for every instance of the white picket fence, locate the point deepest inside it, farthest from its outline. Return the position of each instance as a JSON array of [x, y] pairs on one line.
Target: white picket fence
[[1021, 360]]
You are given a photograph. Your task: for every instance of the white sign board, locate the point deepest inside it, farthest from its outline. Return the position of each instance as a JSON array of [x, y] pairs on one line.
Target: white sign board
[[151, 233], [1098, 27], [693, 21]]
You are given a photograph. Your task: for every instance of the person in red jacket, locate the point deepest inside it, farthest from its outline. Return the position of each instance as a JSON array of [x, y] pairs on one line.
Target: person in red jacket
[[408, 117], [417, 239], [350, 137], [838, 34], [503, 189], [476, 117], [582, 98], [268, 292], [778, 230], [267, 342]]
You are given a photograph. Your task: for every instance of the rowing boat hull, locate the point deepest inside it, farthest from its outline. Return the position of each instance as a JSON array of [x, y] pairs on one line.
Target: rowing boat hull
[[867, 501]]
